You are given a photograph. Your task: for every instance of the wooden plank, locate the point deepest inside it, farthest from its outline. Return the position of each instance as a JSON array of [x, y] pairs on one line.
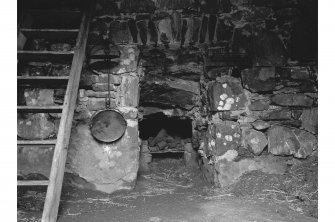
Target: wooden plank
[[32, 182], [59, 35], [36, 142], [45, 56], [40, 109], [52, 199]]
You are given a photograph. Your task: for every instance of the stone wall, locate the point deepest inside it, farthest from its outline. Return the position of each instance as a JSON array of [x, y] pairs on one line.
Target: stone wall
[[250, 68], [244, 72], [260, 113]]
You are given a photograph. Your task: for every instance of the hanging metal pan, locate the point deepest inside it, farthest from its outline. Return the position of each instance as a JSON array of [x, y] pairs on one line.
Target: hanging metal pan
[[108, 125]]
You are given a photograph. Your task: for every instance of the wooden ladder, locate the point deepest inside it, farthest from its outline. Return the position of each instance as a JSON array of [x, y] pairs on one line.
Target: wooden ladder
[[77, 56]]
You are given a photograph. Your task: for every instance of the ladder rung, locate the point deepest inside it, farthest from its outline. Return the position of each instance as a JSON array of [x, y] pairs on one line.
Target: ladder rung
[[43, 78], [33, 182], [45, 56], [55, 18], [167, 151], [41, 109], [36, 142], [51, 34]]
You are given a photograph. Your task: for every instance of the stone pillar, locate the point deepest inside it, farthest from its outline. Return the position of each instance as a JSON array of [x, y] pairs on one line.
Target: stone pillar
[[113, 166]]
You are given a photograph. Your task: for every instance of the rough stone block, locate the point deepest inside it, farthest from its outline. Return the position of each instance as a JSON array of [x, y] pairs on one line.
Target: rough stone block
[[39, 97], [203, 29], [129, 91], [153, 32], [119, 32], [224, 30], [225, 135], [129, 57], [289, 99], [211, 27], [95, 104], [255, 140], [143, 30], [165, 31], [260, 125], [35, 126], [133, 29], [309, 118], [259, 105], [109, 167], [289, 141], [226, 94], [279, 114], [297, 72], [91, 93], [34, 160], [259, 79], [176, 25], [308, 143], [217, 72], [268, 49], [103, 78], [171, 93], [101, 87], [282, 141]]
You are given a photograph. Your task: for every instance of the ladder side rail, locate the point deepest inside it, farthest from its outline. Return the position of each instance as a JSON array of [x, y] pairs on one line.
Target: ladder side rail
[[52, 199]]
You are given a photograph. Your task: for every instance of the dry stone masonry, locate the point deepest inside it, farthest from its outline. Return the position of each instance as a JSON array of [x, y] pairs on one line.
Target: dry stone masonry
[[243, 72]]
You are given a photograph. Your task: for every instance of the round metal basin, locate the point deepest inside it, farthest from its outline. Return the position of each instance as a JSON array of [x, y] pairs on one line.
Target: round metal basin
[[108, 125]]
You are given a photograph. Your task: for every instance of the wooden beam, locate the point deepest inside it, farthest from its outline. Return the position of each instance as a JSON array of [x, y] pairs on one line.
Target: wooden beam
[[52, 199]]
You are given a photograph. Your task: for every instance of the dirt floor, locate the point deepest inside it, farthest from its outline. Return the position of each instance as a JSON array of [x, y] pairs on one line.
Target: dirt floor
[[173, 193]]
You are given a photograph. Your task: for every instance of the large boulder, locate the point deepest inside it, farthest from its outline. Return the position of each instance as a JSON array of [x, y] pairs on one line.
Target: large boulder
[[290, 141], [109, 167]]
